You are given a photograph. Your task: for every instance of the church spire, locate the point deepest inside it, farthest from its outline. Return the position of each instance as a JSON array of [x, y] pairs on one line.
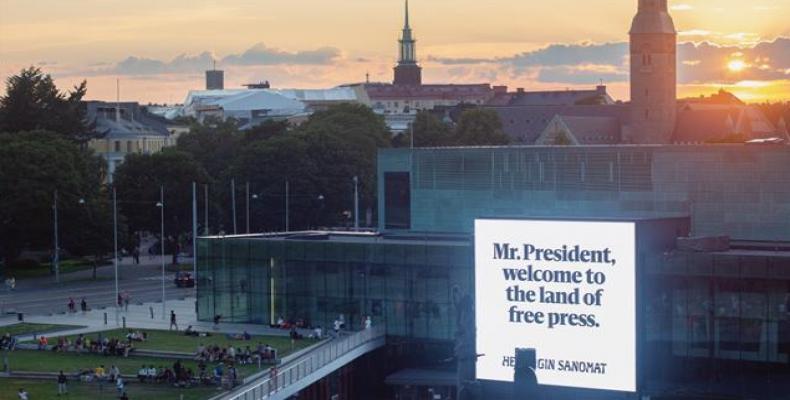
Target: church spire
[[407, 43], [407, 71], [406, 26]]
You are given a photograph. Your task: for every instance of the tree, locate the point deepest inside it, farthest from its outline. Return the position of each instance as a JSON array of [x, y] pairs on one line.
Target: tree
[[343, 142], [266, 130], [213, 144], [33, 102], [33, 165], [138, 181], [480, 127], [428, 131]]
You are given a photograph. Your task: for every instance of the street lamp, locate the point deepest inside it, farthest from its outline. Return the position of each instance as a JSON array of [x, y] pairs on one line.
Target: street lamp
[[161, 205], [356, 203]]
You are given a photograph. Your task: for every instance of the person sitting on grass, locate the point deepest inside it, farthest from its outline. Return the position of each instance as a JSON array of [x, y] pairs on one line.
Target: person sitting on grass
[[142, 373], [22, 394], [42, 342], [151, 374], [124, 396], [218, 374]]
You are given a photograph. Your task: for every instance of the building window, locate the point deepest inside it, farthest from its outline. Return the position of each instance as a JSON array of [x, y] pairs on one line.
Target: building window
[[128, 146], [117, 146], [397, 200]]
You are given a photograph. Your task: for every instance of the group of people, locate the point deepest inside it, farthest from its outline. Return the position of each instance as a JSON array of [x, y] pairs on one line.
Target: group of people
[[101, 345], [72, 306], [177, 375], [262, 352]]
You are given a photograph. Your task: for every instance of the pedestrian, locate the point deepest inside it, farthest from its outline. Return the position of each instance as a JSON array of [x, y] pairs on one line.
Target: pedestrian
[[12, 283], [83, 305], [22, 394], [62, 389], [126, 298], [120, 300], [217, 317], [136, 255], [368, 322], [173, 320], [119, 385], [72, 305]]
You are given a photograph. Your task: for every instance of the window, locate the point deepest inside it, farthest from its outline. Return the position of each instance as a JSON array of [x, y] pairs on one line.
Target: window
[[128, 146], [117, 146], [397, 200]]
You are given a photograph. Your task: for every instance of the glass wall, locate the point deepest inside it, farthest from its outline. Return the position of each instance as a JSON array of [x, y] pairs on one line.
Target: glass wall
[[406, 285]]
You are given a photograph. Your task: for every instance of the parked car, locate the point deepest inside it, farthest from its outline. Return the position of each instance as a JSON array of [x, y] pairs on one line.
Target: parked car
[[184, 279]]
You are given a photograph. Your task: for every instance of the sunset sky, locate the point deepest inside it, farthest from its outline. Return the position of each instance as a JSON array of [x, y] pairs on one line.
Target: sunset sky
[[160, 48]]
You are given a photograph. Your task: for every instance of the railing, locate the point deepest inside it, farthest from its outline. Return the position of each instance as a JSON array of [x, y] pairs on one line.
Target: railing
[[282, 377]]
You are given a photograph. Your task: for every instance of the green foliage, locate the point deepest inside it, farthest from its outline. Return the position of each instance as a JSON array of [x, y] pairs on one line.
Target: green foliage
[[33, 165], [33, 102], [138, 181], [480, 127], [428, 131]]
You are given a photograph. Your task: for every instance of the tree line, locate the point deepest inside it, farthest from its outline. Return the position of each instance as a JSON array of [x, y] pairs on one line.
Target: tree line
[[43, 150]]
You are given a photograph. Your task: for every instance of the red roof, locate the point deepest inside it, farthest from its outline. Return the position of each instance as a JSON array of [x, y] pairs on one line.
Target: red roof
[[380, 91]]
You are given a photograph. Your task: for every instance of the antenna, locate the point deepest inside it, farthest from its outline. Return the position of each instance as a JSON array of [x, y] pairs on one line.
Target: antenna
[[367, 77], [117, 100]]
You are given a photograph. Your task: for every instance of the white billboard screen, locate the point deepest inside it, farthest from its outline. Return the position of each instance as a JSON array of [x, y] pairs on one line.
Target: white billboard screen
[[564, 288]]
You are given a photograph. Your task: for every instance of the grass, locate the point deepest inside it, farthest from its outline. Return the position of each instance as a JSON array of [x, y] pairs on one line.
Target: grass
[[178, 342], [25, 328], [70, 363], [47, 390], [44, 269]]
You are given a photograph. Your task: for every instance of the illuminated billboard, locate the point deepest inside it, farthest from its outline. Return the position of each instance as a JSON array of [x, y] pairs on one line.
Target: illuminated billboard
[[564, 288]]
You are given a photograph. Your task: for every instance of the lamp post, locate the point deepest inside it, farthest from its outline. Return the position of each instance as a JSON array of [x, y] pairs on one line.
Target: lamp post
[[56, 255], [161, 205], [115, 247], [233, 204], [356, 203], [287, 199], [247, 192]]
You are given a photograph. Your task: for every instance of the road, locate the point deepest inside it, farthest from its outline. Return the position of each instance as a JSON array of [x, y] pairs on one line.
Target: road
[[41, 296]]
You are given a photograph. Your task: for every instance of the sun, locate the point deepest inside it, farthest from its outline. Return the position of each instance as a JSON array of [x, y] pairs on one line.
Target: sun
[[736, 65]]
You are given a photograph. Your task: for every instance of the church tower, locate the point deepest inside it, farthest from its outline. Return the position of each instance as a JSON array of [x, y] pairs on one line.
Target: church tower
[[653, 74], [407, 72]]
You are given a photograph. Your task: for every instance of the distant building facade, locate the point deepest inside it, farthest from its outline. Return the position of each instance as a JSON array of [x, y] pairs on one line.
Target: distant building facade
[[126, 128], [654, 114]]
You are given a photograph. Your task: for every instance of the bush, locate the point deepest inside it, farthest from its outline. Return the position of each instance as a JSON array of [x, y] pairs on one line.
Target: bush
[[24, 264]]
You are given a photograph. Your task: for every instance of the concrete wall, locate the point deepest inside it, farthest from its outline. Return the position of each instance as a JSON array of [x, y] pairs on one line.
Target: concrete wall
[[738, 190]]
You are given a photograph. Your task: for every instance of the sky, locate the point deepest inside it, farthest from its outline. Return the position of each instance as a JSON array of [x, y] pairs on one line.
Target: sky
[[159, 49]]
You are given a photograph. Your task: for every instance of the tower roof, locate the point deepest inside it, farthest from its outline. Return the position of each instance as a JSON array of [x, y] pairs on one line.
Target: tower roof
[[406, 25], [653, 17]]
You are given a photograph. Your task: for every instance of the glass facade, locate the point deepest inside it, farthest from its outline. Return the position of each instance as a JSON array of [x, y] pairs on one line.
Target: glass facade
[[715, 322], [405, 284]]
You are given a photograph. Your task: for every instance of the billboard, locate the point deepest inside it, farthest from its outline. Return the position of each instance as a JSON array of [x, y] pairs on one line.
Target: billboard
[[564, 288]]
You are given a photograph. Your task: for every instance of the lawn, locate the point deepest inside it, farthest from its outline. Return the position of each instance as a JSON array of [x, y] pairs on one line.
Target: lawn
[[178, 342], [27, 328], [44, 269], [70, 363], [47, 390]]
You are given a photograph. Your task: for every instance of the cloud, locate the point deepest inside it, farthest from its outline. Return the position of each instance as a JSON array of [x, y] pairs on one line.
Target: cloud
[[586, 63], [681, 7], [259, 55]]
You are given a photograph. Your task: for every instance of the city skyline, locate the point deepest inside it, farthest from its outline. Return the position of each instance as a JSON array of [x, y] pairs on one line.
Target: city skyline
[[158, 54]]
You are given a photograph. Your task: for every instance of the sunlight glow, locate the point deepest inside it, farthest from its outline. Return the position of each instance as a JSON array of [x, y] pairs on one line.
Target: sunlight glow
[[736, 65]]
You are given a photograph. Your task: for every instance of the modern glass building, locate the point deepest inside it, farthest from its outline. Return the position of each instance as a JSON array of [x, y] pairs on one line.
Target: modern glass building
[[716, 323]]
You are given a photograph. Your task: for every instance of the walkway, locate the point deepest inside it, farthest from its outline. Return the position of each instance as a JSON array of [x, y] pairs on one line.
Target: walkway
[[301, 372]]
